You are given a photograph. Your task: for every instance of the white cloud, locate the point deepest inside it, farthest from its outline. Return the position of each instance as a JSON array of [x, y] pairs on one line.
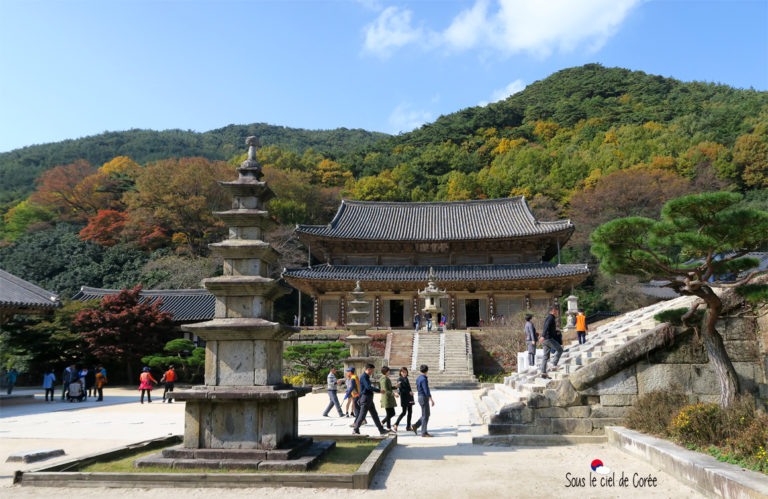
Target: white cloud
[[509, 26], [502, 93], [391, 30], [404, 118]]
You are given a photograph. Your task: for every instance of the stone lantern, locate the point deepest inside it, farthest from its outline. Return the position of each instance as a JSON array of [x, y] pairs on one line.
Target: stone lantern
[[573, 309], [431, 295], [244, 416]]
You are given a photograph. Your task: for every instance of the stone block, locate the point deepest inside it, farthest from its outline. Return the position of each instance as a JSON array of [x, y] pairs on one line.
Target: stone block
[[750, 375], [736, 328], [235, 362], [600, 423], [567, 395], [617, 400], [704, 380], [686, 350], [609, 412], [579, 411], [660, 377], [579, 426], [708, 399], [621, 383], [196, 463], [538, 400], [742, 350], [514, 413]]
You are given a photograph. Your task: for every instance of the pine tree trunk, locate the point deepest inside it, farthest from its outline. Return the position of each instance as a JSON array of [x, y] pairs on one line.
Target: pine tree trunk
[[718, 358]]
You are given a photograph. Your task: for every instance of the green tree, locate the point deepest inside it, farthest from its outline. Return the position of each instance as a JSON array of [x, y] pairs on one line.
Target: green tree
[[183, 355], [316, 360], [699, 239]]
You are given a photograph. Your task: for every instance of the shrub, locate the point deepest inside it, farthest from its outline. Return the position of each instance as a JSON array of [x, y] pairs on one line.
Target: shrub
[[698, 424], [654, 411], [751, 444]]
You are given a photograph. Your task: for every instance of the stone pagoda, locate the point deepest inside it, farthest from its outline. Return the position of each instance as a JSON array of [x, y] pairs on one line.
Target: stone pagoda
[[358, 312], [244, 416], [431, 295]]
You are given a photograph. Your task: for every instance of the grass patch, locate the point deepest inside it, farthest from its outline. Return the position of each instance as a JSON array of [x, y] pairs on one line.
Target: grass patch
[[346, 457]]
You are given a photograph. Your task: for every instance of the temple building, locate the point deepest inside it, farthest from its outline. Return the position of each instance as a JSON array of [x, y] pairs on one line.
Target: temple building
[[492, 257]]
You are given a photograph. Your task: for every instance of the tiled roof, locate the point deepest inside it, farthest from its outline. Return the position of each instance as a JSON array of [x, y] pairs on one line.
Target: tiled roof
[[439, 221], [18, 293], [444, 273], [184, 304]]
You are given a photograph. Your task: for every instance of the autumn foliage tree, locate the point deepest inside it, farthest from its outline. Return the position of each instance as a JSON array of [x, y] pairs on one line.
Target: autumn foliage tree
[[123, 329], [105, 228], [179, 196]]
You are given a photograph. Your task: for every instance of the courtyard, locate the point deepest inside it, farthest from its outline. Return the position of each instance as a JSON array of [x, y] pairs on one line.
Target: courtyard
[[446, 466]]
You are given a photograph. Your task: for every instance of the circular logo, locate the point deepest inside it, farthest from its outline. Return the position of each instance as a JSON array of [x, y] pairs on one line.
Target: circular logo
[[596, 464]]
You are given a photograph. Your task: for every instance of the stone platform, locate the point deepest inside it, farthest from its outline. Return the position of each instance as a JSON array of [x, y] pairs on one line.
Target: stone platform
[[299, 455]]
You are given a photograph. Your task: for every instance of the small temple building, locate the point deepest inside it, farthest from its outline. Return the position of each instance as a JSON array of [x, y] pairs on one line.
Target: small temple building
[[492, 257]]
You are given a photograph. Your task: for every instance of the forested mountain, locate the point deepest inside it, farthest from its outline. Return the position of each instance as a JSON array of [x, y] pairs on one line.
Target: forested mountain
[[588, 143], [20, 167]]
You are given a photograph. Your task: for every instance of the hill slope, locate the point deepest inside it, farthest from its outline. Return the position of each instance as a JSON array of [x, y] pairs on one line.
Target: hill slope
[[19, 168]]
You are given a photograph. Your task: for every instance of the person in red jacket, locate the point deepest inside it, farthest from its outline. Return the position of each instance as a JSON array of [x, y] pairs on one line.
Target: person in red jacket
[[145, 384], [168, 378]]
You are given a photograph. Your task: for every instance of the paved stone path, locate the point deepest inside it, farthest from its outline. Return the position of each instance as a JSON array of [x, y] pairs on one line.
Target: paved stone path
[[446, 466]]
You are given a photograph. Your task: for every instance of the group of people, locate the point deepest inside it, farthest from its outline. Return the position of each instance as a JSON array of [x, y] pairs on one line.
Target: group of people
[[359, 396], [169, 382], [77, 384], [428, 319], [551, 338]]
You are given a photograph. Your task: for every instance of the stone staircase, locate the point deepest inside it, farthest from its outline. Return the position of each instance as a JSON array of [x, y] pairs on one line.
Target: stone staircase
[[524, 403], [448, 355]]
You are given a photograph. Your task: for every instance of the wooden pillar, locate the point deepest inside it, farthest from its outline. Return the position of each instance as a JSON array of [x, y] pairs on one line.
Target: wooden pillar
[[342, 312], [527, 302], [317, 310], [491, 307]]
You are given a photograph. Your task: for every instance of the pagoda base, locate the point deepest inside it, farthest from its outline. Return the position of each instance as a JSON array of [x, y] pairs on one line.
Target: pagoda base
[[228, 417], [300, 454]]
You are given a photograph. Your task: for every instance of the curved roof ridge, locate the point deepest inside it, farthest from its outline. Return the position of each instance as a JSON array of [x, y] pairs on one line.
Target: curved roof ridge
[[499, 218]]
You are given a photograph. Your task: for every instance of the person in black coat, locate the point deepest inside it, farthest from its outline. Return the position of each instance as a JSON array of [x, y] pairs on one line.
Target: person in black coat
[[406, 398]]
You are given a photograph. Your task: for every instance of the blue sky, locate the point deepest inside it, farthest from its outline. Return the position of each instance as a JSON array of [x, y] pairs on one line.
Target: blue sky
[[76, 68]]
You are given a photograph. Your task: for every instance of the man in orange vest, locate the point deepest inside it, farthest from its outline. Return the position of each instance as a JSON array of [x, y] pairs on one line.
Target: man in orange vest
[[169, 378], [581, 326]]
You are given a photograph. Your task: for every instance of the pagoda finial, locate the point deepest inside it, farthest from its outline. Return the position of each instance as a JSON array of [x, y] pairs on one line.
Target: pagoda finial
[[251, 167]]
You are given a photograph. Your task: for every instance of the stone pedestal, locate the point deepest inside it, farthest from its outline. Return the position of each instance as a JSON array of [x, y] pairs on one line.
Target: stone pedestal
[[244, 405]]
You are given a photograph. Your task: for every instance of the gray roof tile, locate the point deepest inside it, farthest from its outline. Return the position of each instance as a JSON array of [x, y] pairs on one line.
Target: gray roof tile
[[18, 293], [444, 273], [184, 304], [437, 221]]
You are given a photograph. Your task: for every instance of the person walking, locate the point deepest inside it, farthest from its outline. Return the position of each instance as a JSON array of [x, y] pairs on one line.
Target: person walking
[[169, 378], [11, 378], [531, 338], [549, 342], [581, 327], [332, 388], [387, 397], [49, 380], [417, 322], [366, 401], [145, 384], [347, 396], [353, 391], [428, 317], [425, 398], [101, 380], [406, 398], [67, 377]]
